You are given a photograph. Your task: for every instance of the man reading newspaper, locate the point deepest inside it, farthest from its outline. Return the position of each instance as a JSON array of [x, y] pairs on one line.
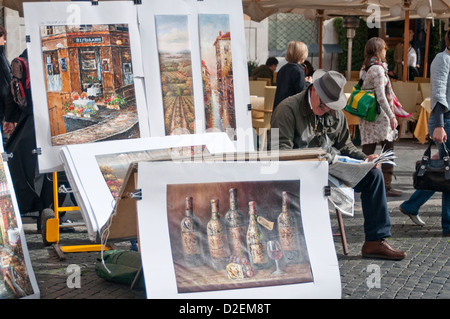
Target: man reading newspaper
[[314, 118]]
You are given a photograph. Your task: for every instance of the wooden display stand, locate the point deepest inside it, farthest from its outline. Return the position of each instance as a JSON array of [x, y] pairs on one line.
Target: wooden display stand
[[123, 223]]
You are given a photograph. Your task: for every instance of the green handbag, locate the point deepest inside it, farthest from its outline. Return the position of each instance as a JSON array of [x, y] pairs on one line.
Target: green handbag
[[363, 104]]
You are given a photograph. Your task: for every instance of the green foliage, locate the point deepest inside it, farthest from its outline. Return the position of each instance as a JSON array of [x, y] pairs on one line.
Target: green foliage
[[358, 43], [251, 65], [436, 40]]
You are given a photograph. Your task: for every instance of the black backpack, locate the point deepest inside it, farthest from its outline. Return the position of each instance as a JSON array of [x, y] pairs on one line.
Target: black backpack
[[20, 81]]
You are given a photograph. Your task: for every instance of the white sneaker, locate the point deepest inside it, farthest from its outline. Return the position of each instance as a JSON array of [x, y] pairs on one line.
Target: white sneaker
[[415, 218]]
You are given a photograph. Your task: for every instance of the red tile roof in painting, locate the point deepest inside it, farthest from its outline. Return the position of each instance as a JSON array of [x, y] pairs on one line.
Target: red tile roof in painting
[[225, 36]]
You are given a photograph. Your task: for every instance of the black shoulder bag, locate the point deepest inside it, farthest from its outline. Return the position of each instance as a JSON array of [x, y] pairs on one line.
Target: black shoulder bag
[[432, 174]]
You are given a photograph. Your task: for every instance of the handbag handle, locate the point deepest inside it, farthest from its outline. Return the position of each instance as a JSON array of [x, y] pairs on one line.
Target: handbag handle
[[428, 150], [427, 156]]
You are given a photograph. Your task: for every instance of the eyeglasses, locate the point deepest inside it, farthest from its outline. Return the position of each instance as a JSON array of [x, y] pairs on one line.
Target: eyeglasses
[[386, 48], [323, 106]]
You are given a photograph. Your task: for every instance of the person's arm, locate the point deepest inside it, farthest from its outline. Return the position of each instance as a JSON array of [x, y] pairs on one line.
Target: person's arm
[[342, 139], [439, 71], [439, 133], [298, 79], [380, 81], [12, 111]]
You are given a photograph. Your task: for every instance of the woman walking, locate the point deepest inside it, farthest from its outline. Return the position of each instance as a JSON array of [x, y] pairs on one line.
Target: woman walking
[[375, 74]]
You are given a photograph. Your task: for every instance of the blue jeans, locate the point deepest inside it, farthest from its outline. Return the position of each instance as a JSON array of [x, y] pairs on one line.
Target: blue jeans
[[420, 197], [377, 224]]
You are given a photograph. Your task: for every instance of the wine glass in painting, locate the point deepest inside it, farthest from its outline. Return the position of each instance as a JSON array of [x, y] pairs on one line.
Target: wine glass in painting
[[275, 253]]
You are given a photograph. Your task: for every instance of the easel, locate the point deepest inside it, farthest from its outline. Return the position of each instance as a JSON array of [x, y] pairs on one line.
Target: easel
[[51, 226]]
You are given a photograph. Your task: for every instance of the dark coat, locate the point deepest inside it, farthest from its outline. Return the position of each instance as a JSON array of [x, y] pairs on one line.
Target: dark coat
[[290, 81], [5, 79], [20, 144]]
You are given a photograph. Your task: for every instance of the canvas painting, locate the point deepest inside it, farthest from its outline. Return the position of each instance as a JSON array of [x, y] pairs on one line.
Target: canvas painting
[[96, 170], [17, 278], [228, 230], [217, 72], [89, 80], [114, 166], [237, 235], [176, 73], [195, 52]]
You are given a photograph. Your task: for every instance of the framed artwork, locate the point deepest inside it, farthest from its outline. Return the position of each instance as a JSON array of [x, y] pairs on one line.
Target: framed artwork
[[217, 71], [92, 90], [17, 276], [196, 69], [225, 230], [96, 171]]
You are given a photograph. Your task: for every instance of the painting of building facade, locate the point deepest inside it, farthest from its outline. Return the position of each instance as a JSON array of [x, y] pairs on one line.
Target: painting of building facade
[[176, 73], [217, 71], [234, 235], [89, 80]]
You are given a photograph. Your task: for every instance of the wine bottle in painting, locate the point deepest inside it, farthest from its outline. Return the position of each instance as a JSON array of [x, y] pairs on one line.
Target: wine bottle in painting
[[219, 249], [288, 232], [236, 228], [191, 237], [256, 243]]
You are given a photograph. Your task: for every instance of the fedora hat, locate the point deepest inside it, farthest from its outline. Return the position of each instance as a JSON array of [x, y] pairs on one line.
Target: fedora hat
[[329, 86]]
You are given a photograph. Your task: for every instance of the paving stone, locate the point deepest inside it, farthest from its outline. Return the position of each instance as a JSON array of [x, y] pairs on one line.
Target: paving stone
[[423, 274]]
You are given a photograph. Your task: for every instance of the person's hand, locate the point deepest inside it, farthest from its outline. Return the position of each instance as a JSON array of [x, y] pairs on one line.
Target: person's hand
[[308, 79], [439, 135], [371, 158], [394, 123], [8, 127]]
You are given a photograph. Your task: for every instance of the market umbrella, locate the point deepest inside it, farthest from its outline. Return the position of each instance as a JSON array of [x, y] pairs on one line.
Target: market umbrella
[[258, 10], [386, 10], [414, 9]]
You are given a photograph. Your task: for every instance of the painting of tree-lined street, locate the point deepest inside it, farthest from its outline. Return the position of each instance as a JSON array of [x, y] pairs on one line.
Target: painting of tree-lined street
[[217, 71], [176, 73]]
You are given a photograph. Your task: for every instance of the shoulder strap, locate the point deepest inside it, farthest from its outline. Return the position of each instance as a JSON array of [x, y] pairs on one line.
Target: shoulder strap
[[361, 80]]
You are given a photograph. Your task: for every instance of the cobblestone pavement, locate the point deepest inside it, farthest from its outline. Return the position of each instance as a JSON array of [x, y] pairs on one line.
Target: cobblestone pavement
[[424, 273], [52, 274]]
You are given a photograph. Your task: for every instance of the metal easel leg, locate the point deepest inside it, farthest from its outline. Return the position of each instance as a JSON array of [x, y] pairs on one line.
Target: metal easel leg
[[53, 228]]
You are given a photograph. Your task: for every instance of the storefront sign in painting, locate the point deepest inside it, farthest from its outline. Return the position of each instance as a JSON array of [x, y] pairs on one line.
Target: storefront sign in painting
[[87, 40], [89, 79]]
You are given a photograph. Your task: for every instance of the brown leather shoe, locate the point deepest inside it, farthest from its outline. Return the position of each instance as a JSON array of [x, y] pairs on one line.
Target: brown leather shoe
[[381, 249], [390, 192]]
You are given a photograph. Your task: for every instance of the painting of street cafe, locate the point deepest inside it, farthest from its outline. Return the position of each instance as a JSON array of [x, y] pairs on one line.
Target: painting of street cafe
[[89, 80]]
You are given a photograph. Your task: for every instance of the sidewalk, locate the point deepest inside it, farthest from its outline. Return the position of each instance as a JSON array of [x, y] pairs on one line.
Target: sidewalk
[[424, 273]]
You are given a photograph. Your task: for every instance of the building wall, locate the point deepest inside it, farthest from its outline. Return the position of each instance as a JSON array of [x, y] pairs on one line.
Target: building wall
[[15, 28], [257, 39]]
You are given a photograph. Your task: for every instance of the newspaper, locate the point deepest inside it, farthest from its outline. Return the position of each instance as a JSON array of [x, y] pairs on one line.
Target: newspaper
[[350, 171], [341, 196]]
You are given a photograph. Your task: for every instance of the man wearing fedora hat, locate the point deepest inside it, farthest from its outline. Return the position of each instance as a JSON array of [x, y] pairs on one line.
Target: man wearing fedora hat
[[314, 118]]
